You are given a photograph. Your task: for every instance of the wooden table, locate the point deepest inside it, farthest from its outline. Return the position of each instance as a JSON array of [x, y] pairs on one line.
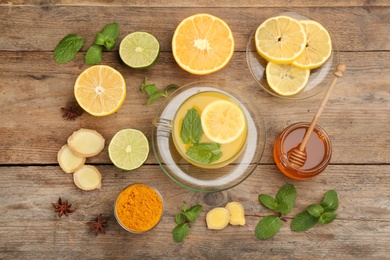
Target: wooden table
[[33, 88]]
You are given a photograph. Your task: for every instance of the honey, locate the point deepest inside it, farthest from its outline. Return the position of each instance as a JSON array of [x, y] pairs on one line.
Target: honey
[[318, 151]]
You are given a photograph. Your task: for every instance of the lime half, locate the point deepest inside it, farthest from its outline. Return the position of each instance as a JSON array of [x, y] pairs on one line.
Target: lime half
[[128, 149], [139, 50]]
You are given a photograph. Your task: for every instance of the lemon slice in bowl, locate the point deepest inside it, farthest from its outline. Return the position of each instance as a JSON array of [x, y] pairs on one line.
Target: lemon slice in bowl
[[128, 149], [318, 48], [100, 90], [139, 50], [202, 44], [286, 79], [280, 39], [223, 121]]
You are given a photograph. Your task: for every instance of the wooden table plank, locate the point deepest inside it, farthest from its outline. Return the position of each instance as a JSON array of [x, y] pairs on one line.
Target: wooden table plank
[[356, 117], [30, 228], [200, 3], [354, 28]]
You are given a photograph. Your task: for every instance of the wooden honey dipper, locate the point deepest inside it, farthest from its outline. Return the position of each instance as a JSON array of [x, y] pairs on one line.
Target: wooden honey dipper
[[297, 157]]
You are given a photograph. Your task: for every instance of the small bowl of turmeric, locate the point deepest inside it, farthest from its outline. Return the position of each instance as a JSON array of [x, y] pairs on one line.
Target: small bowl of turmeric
[[138, 208]]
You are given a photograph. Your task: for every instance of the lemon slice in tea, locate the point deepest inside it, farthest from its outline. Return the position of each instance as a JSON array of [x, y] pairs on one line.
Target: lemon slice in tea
[[286, 79], [139, 50], [223, 121], [128, 149]]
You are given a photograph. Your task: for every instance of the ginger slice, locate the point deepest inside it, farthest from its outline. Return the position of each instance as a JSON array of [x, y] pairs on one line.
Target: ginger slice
[[217, 218], [68, 161], [87, 178], [237, 216], [86, 142]]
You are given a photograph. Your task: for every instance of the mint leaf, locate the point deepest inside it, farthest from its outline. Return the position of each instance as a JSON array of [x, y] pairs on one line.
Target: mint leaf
[[196, 210], [303, 221], [153, 97], [331, 201], [285, 198], [268, 227], [100, 39], [67, 48], [169, 87], [108, 36], [205, 152], [327, 217], [283, 208], [180, 232], [109, 43], [93, 55], [268, 201], [191, 129], [148, 88], [153, 92], [193, 212], [180, 218], [315, 210], [183, 208], [111, 31]]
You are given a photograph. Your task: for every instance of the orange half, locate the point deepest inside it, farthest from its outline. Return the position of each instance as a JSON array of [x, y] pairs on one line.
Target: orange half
[[202, 44]]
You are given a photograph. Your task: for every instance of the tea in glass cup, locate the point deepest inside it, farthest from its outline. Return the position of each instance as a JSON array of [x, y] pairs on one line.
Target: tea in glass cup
[[198, 156], [209, 151]]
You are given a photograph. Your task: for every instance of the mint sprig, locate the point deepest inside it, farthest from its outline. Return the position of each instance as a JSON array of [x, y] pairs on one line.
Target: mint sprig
[[317, 213], [71, 44], [67, 48], [191, 133], [282, 204], [105, 38], [154, 93], [183, 218]]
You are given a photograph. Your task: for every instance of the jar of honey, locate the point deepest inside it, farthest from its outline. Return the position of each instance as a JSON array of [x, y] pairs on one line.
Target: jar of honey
[[318, 151]]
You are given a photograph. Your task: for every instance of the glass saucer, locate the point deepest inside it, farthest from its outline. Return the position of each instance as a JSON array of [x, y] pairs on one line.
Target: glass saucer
[[319, 79], [203, 179]]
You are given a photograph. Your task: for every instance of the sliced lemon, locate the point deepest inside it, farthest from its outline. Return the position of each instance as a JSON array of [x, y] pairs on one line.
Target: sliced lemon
[[318, 48], [139, 50], [280, 39], [100, 90], [202, 44], [223, 121], [128, 149], [286, 79]]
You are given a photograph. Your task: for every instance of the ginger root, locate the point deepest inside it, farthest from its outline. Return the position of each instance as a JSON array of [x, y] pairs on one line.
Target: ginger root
[[87, 178], [68, 161], [86, 142], [217, 218], [237, 216]]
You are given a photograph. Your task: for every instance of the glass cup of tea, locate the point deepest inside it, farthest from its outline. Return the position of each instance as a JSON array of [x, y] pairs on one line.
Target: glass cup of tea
[[207, 166]]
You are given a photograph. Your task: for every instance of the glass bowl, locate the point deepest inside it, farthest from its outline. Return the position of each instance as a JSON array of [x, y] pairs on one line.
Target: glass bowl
[[198, 178], [319, 79], [134, 200]]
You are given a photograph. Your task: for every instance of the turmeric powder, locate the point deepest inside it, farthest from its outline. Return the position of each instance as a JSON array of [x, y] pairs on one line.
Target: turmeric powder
[[139, 208]]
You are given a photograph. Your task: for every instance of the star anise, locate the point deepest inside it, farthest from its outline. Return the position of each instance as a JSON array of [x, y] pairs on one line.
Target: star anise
[[63, 208], [70, 113], [99, 225]]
